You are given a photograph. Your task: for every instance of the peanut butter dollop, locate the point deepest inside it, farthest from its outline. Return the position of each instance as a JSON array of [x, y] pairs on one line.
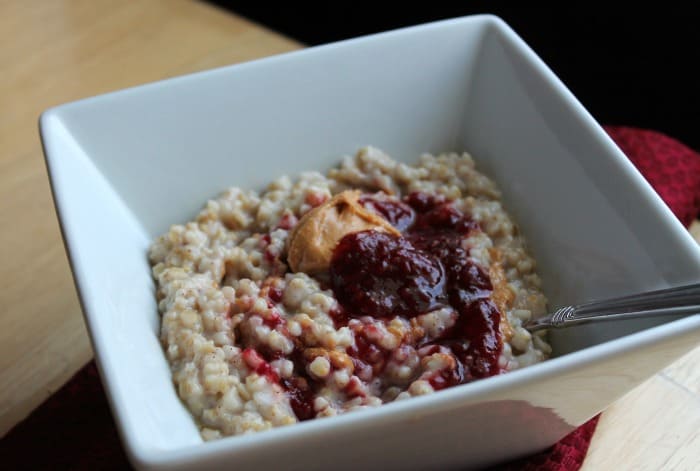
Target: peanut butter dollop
[[314, 238]]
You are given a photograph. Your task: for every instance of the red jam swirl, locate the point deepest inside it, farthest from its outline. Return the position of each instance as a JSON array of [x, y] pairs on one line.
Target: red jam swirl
[[400, 215], [301, 397], [380, 275]]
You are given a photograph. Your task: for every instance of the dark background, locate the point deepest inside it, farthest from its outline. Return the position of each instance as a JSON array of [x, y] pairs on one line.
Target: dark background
[[632, 66]]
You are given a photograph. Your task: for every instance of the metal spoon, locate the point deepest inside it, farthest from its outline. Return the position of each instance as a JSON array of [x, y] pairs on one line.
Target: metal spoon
[[665, 302]]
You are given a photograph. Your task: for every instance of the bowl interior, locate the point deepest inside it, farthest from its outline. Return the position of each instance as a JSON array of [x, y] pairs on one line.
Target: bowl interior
[[136, 161]]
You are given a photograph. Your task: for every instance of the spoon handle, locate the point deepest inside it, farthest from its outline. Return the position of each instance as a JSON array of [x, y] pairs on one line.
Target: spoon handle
[[670, 301]]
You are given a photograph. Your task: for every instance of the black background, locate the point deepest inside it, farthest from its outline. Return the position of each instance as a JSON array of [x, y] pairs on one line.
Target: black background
[[628, 66]]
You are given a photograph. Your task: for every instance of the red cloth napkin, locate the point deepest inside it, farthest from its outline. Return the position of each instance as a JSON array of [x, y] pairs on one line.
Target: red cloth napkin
[[74, 428], [670, 167]]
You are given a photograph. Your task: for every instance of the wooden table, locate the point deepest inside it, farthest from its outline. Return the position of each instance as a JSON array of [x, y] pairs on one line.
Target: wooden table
[[57, 51]]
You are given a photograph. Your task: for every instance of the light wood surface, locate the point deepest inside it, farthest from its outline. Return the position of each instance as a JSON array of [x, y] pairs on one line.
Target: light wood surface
[[58, 51], [52, 52]]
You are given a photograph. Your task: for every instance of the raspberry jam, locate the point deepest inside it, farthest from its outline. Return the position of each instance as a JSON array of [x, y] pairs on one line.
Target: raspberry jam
[[259, 365], [381, 275], [399, 215], [301, 397]]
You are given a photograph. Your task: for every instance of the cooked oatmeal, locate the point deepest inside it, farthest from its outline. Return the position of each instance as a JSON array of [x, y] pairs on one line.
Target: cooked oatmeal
[[326, 294]]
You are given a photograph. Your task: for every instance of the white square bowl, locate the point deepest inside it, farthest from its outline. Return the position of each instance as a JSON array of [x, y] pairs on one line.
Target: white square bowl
[[126, 165]]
